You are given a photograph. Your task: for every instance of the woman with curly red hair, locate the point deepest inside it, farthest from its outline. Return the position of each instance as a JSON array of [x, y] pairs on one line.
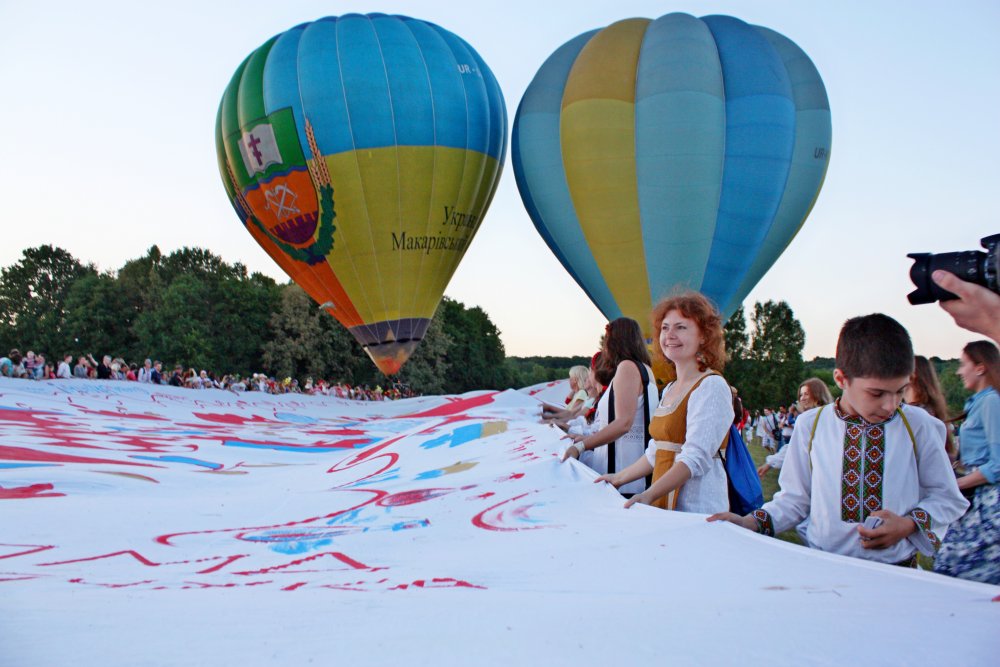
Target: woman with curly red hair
[[691, 423]]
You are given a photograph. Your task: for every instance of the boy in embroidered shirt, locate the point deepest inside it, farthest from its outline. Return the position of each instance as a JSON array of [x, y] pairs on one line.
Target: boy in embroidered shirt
[[866, 456]]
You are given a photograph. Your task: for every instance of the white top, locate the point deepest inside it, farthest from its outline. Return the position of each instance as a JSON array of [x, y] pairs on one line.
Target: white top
[[765, 428], [889, 475], [628, 448], [709, 416], [64, 371]]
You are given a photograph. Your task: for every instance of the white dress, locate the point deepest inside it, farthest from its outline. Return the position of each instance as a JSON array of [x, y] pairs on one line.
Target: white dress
[[709, 416], [629, 447]]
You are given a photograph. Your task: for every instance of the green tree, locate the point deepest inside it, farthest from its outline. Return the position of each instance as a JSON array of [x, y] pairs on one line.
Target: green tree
[[476, 342], [98, 317], [196, 262], [33, 294], [179, 331], [527, 371], [240, 314], [139, 279], [426, 371], [955, 393], [739, 366], [736, 337], [775, 352], [140, 283], [306, 341]]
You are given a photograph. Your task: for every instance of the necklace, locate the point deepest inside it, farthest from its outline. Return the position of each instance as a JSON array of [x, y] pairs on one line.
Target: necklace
[[682, 391]]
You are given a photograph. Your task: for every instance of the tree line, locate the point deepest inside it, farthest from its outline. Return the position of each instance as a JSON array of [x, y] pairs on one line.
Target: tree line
[[192, 308]]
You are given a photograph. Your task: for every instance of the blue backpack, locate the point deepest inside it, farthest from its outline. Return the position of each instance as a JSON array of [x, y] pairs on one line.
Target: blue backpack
[[745, 493]]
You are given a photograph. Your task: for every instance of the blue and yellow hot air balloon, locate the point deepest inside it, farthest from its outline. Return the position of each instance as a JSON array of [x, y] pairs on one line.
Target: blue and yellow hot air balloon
[[672, 152], [361, 152]]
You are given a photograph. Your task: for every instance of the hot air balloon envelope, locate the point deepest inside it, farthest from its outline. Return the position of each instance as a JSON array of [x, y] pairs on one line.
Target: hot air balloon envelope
[[679, 151], [361, 152]]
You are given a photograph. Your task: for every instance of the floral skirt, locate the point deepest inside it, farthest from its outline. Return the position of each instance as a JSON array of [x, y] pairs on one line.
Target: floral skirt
[[971, 548]]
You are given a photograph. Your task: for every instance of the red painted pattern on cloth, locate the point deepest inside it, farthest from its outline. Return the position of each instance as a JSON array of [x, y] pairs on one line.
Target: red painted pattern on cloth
[[494, 519], [24, 454], [33, 491], [411, 497], [243, 531], [457, 406], [337, 555], [32, 549]]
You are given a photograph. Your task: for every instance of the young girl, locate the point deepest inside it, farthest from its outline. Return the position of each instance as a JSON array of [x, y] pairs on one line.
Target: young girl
[[924, 391]]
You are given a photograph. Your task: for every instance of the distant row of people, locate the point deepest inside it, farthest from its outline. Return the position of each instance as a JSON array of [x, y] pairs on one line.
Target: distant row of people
[[35, 367]]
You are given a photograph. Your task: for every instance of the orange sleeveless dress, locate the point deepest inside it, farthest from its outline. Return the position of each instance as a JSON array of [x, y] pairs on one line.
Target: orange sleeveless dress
[[668, 429]]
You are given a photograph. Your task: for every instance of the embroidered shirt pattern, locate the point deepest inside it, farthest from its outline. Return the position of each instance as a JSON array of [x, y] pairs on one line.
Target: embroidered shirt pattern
[[861, 482], [765, 526], [922, 518]]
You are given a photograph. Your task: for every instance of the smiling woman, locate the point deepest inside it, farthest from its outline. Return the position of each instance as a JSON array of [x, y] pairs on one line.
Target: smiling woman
[[695, 412]]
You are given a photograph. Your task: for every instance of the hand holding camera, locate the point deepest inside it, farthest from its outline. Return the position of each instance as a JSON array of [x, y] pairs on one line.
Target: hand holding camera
[[966, 283]]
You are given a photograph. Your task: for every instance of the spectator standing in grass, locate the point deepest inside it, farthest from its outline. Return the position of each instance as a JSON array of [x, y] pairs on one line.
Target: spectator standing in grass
[[65, 372], [971, 548]]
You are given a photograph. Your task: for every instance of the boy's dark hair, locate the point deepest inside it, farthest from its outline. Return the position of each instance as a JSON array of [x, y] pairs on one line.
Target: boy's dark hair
[[875, 346]]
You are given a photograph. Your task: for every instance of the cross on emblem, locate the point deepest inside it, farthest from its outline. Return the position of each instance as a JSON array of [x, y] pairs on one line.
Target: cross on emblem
[[253, 143], [281, 200]]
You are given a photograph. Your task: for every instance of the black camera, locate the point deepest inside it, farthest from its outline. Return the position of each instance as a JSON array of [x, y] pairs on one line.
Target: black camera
[[974, 266]]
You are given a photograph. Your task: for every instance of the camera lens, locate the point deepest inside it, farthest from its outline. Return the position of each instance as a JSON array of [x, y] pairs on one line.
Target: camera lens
[[968, 265]]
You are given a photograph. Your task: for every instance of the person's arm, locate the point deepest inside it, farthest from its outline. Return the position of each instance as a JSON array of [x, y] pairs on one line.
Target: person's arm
[[976, 309], [639, 469], [672, 479], [987, 472], [773, 461], [627, 385]]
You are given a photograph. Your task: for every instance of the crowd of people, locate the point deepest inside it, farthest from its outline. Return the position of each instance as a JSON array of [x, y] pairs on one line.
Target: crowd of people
[[33, 366], [881, 473]]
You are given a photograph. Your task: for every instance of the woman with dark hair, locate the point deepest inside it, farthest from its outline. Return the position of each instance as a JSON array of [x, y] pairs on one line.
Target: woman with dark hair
[[971, 548], [621, 424], [691, 424], [924, 391]]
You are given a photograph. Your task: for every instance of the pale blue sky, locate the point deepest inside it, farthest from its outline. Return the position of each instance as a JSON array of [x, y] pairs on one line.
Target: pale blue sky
[[109, 107]]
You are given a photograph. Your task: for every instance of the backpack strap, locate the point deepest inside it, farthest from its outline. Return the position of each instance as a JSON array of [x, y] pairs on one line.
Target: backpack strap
[[909, 429], [902, 415], [812, 434], [644, 377]]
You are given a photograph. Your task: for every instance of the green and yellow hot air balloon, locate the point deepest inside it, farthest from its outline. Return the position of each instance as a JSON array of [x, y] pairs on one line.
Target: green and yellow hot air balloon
[[361, 152]]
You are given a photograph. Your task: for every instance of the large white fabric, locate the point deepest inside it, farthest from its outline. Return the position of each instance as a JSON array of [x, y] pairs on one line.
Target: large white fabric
[[145, 525], [917, 476], [709, 416], [630, 446]]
